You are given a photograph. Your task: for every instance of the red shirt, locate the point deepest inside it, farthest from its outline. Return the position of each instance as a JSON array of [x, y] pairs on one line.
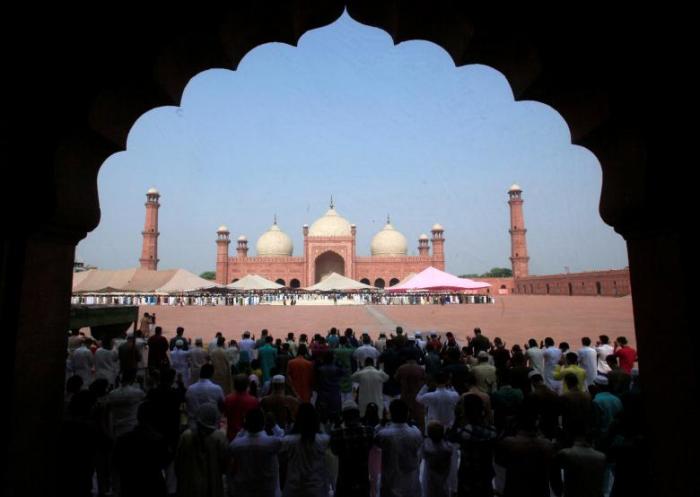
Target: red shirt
[[626, 356], [301, 376], [236, 406]]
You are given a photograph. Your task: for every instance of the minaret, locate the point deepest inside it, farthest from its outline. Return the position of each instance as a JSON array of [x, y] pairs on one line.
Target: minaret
[[423, 247], [149, 252], [518, 243], [222, 243], [242, 247], [438, 247]]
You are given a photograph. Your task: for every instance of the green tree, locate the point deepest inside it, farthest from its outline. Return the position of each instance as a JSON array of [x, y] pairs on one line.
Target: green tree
[[499, 272], [208, 275]]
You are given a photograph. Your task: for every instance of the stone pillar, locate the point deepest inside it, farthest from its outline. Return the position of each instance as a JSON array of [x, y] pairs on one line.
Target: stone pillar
[[438, 241], [518, 243], [423, 247], [222, 242], [149, 252], [36, 280]]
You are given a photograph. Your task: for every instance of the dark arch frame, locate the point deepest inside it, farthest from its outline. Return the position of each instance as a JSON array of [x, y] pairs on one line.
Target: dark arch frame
[[294, 283], [148, 65]]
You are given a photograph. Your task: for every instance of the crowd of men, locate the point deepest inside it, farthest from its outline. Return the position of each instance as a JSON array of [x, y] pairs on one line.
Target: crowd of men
[[417, 415]]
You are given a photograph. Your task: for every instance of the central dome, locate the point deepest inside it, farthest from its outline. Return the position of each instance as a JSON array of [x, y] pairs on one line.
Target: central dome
[[331, 224], [274, 242], [389, 242]]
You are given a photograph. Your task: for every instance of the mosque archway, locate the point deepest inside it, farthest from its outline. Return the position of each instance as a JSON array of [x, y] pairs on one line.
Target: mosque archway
[[280, 281], [365, 281], [327, 263], [393, 281], [379, 283], [294, 283]]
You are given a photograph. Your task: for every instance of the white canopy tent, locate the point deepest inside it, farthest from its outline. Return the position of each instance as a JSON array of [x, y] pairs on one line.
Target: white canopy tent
[[136, 280], [337, 282], [253, 282]]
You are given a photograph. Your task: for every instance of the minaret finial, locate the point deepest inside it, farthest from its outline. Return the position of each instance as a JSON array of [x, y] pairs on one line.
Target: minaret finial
[[332, 203]]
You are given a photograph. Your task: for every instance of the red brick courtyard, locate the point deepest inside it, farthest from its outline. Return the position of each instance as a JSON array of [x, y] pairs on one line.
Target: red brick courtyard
[[513, 318]]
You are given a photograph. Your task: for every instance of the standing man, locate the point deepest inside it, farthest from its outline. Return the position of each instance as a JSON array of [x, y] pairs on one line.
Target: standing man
[[300, 375], [401, 453], [478, 343], [552, 356], [157, 350], [604, 349], [588, 359], [625, 354], [371, 381], [179, 335], [535, 356], [440, 403]]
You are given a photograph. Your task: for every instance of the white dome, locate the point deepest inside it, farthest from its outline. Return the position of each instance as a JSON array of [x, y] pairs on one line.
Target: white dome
[[423, 237], [515, 188], [242, 238], [438, 227], [274, 242], [331, 224], [152, 191], [222, 229], [389, 242]]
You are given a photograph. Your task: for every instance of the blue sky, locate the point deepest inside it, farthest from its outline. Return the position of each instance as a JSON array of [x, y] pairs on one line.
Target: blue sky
[[385, 129]]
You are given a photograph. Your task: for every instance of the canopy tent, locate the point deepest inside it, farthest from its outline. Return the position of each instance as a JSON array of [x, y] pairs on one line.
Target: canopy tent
[[253, 282], [434, 279], [136, 280], [337, 282]]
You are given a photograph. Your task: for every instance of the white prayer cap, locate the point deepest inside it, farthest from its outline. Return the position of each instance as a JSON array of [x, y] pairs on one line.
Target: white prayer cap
[[278, 378]]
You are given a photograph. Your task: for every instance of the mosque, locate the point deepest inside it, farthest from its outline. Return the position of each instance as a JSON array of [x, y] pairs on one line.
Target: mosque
[[329, 247]]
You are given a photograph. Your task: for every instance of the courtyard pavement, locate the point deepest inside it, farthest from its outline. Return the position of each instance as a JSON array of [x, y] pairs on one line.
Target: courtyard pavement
[[513, 318]]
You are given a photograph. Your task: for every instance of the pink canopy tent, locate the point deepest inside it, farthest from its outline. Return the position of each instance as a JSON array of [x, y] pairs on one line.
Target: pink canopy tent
[[432, 279]]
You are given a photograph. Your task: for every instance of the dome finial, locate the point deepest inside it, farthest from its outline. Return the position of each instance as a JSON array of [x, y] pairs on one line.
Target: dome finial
[[388, 219], [332, 203], [274, 219]]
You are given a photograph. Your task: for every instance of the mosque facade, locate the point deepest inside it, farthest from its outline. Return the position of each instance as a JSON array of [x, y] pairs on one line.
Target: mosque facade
[[330, 246]]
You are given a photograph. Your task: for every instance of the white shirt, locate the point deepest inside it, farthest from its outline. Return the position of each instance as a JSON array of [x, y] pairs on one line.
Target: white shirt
[[551, 359], [202, 392], [363, 352], [306, 468], [248, 344], [124, 403], [588, 359], [106, 364], [536, 356], [257, 470], [604, 351], [83, 362], [371, 381], [401, 446], [198, 358], [440, 404]]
